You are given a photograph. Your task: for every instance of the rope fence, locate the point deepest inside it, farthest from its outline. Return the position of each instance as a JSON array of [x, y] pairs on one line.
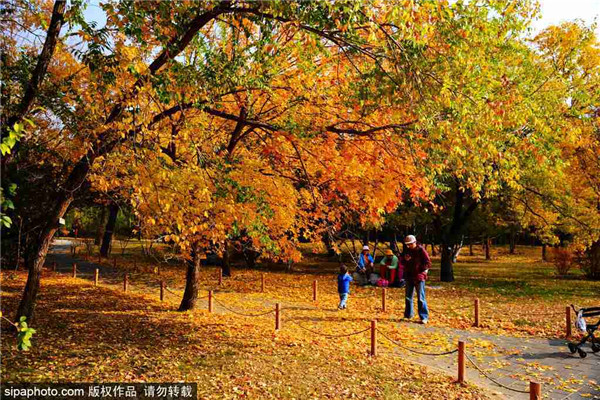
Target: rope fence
[[534, 389], [482, 372], [413, 350], [328, 335], [371, 294], [240, 313]]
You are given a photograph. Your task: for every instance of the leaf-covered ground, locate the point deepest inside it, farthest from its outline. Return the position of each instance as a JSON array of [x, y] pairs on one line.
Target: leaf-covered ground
[[519, 294], [88, 333]]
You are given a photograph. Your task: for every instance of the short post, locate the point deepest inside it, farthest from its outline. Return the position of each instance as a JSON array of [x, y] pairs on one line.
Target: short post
[[99, 257], [74, 270], [373, 338], [220, 276], [461, 362], [125, 282], [54, 266], [262, 282], [96, 273], [535, 391], [72, 250], [383, 295], [162, 290], [277, 317], [115, 262], [568, 322], [476, 324], [210, 301], [314, 290]]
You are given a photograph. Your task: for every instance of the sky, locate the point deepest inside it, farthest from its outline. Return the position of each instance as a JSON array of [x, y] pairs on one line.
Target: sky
[[556, 11], [553, 12]]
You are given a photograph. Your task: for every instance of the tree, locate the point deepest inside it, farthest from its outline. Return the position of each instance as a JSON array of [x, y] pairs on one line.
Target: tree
[[105, 95], [572, 59]]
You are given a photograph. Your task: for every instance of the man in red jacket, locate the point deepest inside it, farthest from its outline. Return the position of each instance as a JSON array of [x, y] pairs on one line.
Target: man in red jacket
[[416, 266]]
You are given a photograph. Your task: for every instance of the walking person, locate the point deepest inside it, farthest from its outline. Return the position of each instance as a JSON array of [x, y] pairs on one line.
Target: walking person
[[416, 267], [344, 280]]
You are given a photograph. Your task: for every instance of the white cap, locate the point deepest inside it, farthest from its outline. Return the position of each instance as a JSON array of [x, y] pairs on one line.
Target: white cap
[[410, 239], [365, 247]]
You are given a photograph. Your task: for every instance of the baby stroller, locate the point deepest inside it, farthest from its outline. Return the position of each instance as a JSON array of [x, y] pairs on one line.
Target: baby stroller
[[587, 329]]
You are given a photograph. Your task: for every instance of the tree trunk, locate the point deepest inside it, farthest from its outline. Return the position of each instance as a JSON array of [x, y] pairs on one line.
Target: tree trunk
[[250, 256], [488, 243], [544, 252], [113, 212], [513, 241], [592, 264], [190, 295], [226, 260], [450, 236], [394, 244], [101, 226], [456, 250], [470, 248], [328, 245], [376, 244], [36, 260], [447, 270]]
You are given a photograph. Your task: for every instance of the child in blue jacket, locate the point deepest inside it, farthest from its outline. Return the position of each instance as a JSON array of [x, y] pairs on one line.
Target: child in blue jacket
[[344, 280]]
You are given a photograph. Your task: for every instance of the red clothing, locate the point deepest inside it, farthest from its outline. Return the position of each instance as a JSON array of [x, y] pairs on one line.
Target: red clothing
[[415, 267], [389, 274]]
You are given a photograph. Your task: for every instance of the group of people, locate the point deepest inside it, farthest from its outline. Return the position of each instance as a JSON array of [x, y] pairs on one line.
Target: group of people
[[409, 269]]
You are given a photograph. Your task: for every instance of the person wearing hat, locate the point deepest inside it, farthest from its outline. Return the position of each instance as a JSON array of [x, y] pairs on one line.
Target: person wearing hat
[[364, 266], [388, 266], [416, 265]]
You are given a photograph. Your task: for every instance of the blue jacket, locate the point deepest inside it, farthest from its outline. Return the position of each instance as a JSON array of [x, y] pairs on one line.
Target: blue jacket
[[344, 283], [361, 261]]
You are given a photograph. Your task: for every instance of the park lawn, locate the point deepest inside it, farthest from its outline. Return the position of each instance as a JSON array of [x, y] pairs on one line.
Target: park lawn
[[519, 294], [100, 334]]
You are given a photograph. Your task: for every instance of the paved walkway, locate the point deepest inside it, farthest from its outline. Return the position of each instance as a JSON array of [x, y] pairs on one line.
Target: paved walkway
[[511, 361]]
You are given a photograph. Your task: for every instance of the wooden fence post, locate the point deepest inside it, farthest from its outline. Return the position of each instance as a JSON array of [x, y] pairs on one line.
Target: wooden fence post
[[220, 276], [210, 301], [277, 317], [125, 281], [568, 322], [115, 262], [314, 290], [74, 270], [54, 266], [96, 273], [461, 362], [373, 338], [262, 282], [162, 290], [476, 324], [535, 391], [383, 296]]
